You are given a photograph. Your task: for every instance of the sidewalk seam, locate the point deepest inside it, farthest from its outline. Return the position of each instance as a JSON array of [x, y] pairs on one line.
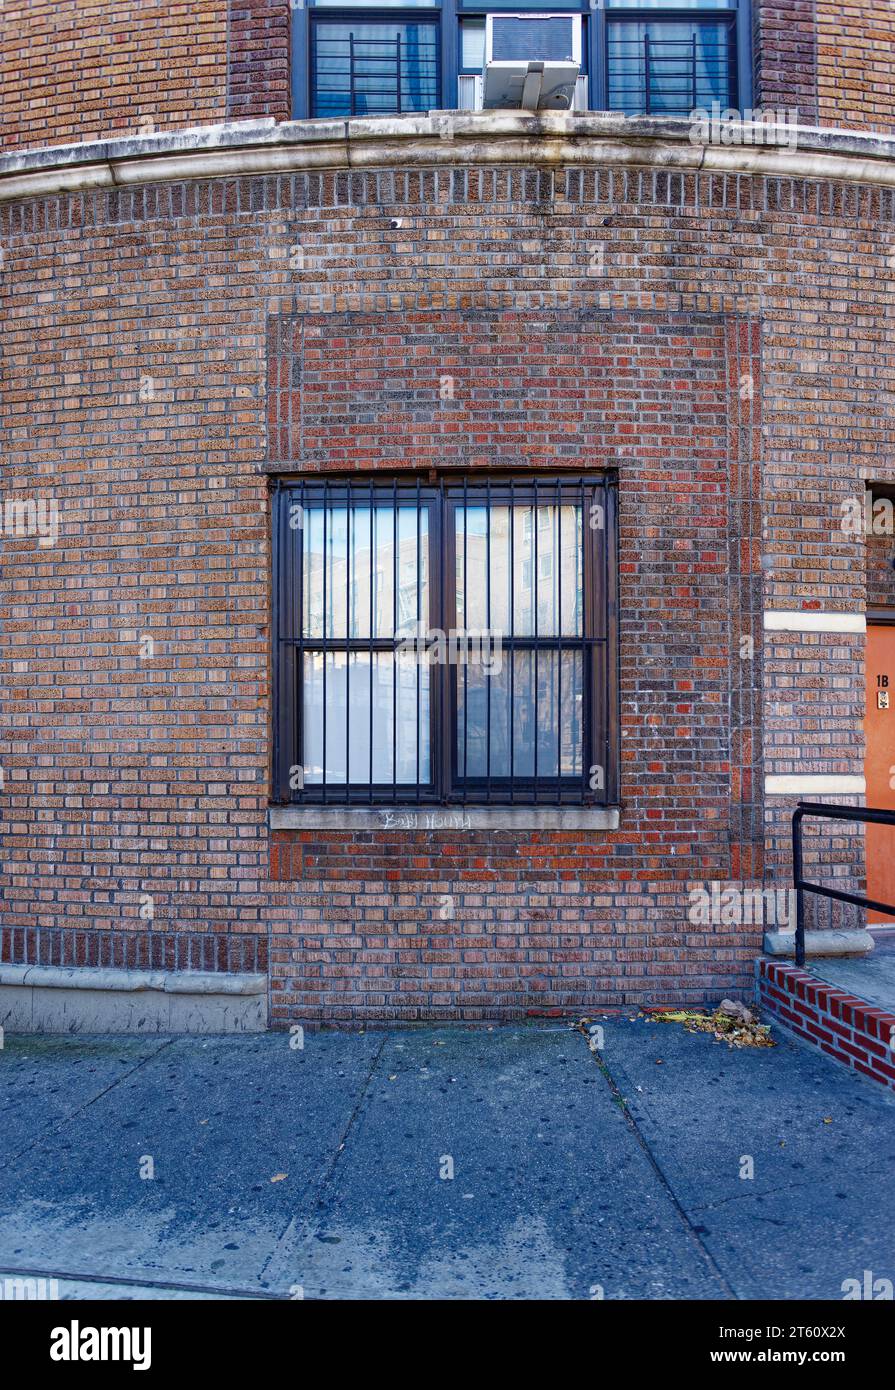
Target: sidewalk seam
[[708, 1257], [316, 1191]]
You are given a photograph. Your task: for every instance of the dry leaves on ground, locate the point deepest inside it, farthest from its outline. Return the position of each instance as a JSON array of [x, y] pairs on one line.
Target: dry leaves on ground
[[731, 1022]]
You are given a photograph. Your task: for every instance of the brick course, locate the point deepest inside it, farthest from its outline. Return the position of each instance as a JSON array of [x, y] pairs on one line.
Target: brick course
[[74, 70], [849, 1029]]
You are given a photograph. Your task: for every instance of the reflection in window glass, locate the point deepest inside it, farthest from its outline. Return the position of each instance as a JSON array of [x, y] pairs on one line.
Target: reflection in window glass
[[368, 575], [376, 710], [670, 67], [496, 586], [533, 706], [373, 67]]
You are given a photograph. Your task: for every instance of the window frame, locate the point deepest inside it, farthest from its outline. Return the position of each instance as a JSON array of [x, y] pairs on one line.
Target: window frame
[[737, 10], [599, 638], [371, 14], [448, 13]]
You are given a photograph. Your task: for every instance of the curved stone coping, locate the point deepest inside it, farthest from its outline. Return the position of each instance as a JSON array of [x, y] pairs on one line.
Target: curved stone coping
[[164, 981], [550, 139]]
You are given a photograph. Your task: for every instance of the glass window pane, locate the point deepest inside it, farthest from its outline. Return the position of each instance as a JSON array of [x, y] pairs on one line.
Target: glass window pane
[[670, 66], [389, 694], [472, 44], [351, 563], [671, 4], [531, 701], [373, 67], [525, 573]]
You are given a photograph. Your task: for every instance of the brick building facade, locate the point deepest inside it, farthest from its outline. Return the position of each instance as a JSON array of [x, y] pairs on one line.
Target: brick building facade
[[195, 319]]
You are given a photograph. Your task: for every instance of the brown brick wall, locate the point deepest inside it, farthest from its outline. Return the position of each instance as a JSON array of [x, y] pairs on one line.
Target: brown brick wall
[[144, 329], [785, 56], [259, 59], [855, 52], [75, 70]]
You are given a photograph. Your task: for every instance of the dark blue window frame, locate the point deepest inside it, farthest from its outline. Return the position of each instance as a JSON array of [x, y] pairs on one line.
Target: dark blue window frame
[[736, 14], [448, 13]]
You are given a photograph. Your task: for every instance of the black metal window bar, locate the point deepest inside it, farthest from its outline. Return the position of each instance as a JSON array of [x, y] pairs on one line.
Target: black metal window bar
[[647, 75], [862, 814], [354, 74], [445, 643]]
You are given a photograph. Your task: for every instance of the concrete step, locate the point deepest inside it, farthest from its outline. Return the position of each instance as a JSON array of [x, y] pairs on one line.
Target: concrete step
[[839, 942]]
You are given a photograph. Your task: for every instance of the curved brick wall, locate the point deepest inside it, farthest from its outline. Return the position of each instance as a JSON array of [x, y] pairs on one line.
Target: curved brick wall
[[159, 343]]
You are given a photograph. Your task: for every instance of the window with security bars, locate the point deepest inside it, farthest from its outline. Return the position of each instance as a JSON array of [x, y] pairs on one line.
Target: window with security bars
[[444, 643], [661, 60]]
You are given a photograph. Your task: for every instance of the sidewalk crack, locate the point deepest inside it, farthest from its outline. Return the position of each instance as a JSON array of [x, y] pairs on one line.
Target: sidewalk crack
[[690, 1229], [300, 1230]]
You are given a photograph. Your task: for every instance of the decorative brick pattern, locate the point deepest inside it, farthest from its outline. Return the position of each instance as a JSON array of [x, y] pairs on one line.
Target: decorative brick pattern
[[149, 949], [844, 1027], [74, 70]]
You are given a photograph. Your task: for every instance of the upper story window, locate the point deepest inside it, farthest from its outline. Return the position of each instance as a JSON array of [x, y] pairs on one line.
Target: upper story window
[[356, 58], [366, 65], [670, 63]]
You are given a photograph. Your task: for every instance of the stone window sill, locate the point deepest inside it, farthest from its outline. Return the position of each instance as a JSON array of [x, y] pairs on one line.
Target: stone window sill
[[444, 818]]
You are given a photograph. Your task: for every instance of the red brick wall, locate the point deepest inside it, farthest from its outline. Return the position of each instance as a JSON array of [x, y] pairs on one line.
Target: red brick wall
[[846, 1028], [143, 328]]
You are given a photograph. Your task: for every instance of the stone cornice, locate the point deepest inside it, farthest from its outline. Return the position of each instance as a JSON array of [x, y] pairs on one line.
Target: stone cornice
[[464, 138]]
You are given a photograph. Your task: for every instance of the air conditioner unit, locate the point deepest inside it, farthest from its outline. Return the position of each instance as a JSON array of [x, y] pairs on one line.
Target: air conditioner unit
[[532, 61]]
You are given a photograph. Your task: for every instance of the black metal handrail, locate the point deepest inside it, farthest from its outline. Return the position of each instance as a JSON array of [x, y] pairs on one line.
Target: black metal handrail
[[864, 814]]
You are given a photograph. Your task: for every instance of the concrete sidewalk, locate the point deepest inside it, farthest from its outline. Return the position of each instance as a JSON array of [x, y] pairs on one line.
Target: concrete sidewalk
[[324, 1172]]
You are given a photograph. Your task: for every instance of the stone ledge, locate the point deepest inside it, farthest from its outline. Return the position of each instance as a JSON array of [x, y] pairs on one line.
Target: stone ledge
[[88, 999], [167, 981], [549, 139], [842, 942], [444, 818]]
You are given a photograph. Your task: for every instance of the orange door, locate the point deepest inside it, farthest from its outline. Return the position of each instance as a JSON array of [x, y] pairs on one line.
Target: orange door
[[879, 764]]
